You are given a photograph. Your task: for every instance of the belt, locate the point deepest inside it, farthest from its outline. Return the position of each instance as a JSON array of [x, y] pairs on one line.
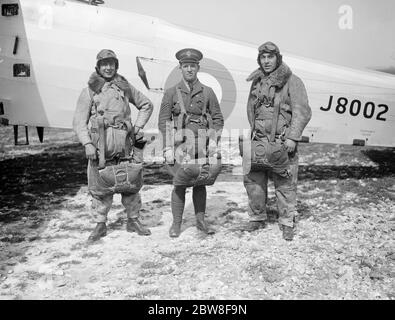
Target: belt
[[116, 161], [122, 127], [258, 136], [198, 121]]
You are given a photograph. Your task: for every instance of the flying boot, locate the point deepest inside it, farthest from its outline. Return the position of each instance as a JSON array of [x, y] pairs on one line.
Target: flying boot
[[134, 225], [202, 225], [175, 228], [99, 232], [288, 232]]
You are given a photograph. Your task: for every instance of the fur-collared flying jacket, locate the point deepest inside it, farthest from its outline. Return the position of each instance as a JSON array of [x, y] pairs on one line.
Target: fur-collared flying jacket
[[96, 82], [104, 105], [287, 90]]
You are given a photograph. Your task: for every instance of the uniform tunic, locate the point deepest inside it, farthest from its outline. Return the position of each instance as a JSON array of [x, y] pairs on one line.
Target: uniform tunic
[[193, 102]]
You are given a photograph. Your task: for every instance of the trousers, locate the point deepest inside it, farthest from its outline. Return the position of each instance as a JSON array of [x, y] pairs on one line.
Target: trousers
[[103, 197], [256, 183]]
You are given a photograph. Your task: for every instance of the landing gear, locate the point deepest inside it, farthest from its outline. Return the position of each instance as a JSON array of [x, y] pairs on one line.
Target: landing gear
[[40, 133], [16, 142]]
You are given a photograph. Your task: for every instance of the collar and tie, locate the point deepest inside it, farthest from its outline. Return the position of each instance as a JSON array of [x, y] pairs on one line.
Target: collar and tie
[[190, 85]]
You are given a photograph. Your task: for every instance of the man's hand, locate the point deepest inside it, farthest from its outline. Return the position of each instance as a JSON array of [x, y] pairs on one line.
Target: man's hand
[[90, 151], [290, 145], [169, 157]]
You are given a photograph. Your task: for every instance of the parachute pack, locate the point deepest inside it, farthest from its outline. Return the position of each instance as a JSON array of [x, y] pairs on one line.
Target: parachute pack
[[193, 173]]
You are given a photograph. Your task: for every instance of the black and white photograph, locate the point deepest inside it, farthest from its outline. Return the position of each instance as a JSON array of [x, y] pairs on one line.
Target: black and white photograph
[[209, 151]]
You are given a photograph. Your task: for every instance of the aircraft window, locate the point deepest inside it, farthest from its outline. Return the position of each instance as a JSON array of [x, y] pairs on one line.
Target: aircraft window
[[9, 9], [21, 70]]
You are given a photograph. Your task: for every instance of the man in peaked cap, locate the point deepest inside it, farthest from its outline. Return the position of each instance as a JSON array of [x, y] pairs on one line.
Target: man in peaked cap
[[199, 104], [103, 124], [277, 111]]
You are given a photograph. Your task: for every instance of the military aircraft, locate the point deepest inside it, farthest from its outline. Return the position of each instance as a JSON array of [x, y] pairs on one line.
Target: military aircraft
[[48, 50]]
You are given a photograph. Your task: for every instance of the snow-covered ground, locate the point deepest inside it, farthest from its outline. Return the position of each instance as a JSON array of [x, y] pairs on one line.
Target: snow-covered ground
[[344, 247]]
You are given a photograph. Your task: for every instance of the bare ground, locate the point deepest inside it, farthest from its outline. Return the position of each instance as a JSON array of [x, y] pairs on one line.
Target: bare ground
[[344, 247]]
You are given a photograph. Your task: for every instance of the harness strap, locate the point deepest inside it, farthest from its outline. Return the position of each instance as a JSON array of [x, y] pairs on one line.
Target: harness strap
[[256, 105], [100, 125], [204, 111], [130, 130], [206, 114], [102, 142], [180, 101], [276, 110], [183, 117]]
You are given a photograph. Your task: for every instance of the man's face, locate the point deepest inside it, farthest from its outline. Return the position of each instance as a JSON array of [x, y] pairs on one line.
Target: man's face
[[107, 68], [268, 62], [189, 71]]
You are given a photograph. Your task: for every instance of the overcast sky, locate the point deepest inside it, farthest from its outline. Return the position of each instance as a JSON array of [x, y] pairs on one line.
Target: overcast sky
[[308, 28]]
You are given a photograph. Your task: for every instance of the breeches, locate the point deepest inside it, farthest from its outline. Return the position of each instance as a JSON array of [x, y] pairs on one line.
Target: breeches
[[178, 200]]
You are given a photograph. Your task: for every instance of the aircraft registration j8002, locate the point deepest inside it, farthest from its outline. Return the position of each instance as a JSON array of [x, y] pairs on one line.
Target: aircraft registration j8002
[[48, 50]]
